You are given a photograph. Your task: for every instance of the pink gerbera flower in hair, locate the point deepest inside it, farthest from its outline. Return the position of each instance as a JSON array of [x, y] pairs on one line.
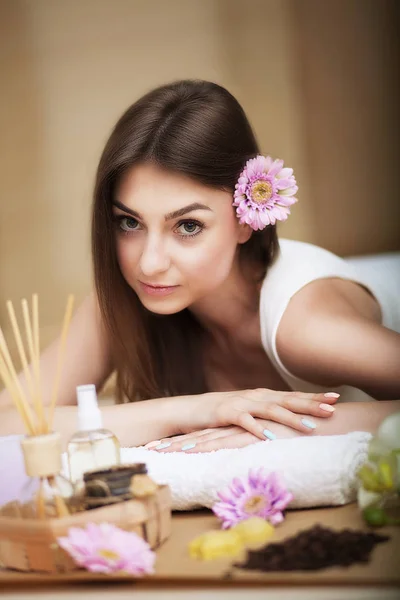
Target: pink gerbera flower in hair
[[105, 548], [264, 192], [261, 494]]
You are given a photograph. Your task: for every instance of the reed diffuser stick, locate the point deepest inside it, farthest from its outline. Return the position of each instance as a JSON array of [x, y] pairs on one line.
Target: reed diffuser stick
[[61, 507], [34, 358], [61, 350], [15, 384], [40, 501], [5, 376], [20, 346], [35, 314]]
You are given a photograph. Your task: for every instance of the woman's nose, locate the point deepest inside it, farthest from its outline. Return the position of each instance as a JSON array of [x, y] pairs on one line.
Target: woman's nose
[[154, 258]]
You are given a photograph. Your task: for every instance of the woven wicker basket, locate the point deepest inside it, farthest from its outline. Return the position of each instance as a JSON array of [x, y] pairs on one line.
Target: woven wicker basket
[[31, 545]]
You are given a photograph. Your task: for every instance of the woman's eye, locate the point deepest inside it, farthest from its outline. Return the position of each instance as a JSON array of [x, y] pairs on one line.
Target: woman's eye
[[189, 228], [128, 223]]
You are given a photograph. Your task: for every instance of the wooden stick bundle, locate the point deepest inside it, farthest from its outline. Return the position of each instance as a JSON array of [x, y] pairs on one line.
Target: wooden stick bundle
[[35, 421], [30, 405]]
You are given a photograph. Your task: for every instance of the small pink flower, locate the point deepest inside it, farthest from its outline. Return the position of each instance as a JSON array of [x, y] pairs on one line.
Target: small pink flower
[[105, 548], [261, 494], [264, 192]]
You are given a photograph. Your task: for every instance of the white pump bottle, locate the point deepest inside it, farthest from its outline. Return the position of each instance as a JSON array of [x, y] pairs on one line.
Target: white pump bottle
[[92, 447]]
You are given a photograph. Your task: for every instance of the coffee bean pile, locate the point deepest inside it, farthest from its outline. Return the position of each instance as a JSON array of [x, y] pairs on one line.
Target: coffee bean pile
[[313, 549]]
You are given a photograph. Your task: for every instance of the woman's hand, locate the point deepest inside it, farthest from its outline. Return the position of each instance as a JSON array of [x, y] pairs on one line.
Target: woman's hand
[[221, 409], [206, 440], [219, 438]]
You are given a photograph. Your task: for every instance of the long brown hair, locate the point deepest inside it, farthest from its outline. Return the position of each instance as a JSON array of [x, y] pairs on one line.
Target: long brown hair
[[198, 129]]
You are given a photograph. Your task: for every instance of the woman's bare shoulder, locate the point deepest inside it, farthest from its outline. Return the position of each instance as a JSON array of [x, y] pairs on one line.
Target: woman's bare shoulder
[[323, 326], [332, 296]]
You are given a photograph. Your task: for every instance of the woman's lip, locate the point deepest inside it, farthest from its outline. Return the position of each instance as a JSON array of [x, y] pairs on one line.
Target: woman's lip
[[157, 290], [157, 286]]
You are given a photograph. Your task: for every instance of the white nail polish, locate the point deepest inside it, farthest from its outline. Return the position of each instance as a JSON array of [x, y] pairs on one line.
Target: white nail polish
[[308, 423], [188, 447], [162, 446]]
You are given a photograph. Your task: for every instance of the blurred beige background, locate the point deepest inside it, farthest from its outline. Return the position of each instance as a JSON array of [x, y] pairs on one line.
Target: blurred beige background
[[316, 78]]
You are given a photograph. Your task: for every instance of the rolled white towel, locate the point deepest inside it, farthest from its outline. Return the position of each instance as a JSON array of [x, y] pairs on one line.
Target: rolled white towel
[[318, 470]]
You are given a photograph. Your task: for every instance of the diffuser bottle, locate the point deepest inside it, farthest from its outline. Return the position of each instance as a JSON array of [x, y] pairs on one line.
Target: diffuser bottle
[[92, 447], [47, 493]]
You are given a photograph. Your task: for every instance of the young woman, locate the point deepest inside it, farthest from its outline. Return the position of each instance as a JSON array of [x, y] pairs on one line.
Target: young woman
[[199, 308]]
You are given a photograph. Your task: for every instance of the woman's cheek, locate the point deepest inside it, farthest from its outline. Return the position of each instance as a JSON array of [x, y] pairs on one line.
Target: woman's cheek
[[211, 264], [127, 257]]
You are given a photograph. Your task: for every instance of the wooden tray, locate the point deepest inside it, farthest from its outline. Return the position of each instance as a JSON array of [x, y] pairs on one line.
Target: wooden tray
[[174, 567], [31, 545]]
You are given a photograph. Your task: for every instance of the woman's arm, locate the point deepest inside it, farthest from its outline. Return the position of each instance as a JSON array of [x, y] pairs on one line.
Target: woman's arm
[[329, 335], [349, 416], [133, 424], [141, 422]]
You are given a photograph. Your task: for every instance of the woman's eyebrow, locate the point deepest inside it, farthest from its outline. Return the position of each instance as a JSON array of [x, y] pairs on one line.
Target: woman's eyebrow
[[126, 209], [168, 217], [186, 209]]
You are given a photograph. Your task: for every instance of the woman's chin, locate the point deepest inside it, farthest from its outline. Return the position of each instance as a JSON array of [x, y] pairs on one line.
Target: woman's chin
[[163, 306]]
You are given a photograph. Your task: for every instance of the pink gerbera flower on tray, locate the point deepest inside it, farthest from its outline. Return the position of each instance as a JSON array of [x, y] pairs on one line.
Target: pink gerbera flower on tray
[[264, 192], [261, 494], [104, 548]]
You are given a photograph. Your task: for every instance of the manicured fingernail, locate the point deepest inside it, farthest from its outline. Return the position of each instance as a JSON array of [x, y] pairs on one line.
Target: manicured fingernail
[[308, 423], [327, 407], [268, 434], [153, 444], [162, 446], [188, 447], [332, 395]]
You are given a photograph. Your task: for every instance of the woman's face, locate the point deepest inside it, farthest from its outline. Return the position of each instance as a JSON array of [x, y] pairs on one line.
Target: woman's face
[[176, 239]]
